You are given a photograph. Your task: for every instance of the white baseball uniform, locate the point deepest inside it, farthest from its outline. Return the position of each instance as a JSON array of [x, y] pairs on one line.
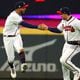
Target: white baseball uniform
[[71, 31], [11, 35]]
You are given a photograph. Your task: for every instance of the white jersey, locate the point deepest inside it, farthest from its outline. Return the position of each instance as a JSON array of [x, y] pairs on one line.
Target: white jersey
[[12, 24], [70, 28]]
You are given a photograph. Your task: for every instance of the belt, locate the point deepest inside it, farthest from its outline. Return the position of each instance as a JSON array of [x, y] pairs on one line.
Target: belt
[[9, 35], [74, 42]]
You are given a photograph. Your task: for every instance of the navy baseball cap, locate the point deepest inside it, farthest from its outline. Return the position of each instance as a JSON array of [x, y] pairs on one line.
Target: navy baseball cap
[[21, 4], [64, 10]]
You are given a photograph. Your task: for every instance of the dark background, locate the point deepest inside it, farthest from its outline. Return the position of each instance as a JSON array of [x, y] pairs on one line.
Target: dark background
[[48, 7]]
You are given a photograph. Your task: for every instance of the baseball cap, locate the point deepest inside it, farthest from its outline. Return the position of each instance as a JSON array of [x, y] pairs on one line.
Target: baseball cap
[[64, 10], [21, 4]]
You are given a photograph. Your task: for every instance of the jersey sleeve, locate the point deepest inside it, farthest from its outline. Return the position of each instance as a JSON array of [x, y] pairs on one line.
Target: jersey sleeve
[[60, 26], [16, 19]]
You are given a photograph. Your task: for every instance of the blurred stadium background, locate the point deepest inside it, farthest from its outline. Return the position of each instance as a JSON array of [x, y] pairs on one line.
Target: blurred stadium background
[[43, 48]]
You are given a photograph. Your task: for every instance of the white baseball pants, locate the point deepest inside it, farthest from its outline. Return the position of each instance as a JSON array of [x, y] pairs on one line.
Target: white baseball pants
[[69, 51], [11, 45]]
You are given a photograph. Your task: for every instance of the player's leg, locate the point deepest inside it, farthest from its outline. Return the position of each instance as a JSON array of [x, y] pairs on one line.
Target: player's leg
[[66, 72], [66, 57], [8, 44], [20, 50]]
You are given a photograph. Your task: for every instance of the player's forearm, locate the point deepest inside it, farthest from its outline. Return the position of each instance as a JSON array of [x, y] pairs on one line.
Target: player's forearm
[[54, 30], [28, 25]]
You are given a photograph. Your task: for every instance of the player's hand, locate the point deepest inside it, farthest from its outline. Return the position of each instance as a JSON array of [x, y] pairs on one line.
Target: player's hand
[[42, 27]]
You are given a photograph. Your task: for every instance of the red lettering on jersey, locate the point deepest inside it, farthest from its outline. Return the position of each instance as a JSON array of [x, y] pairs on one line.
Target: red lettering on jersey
[[69, 28]]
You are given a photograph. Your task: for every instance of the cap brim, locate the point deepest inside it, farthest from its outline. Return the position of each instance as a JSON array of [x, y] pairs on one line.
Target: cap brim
[[59, 12], [25, 6]]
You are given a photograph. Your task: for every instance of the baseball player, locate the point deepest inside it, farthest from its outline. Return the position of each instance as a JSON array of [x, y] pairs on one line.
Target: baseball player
[[70, 26], [12, 38]]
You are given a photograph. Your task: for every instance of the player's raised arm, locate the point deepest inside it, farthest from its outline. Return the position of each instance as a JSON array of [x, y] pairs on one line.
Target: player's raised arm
[[40, 26], [25, 24], [54, 30], [45, 27]]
